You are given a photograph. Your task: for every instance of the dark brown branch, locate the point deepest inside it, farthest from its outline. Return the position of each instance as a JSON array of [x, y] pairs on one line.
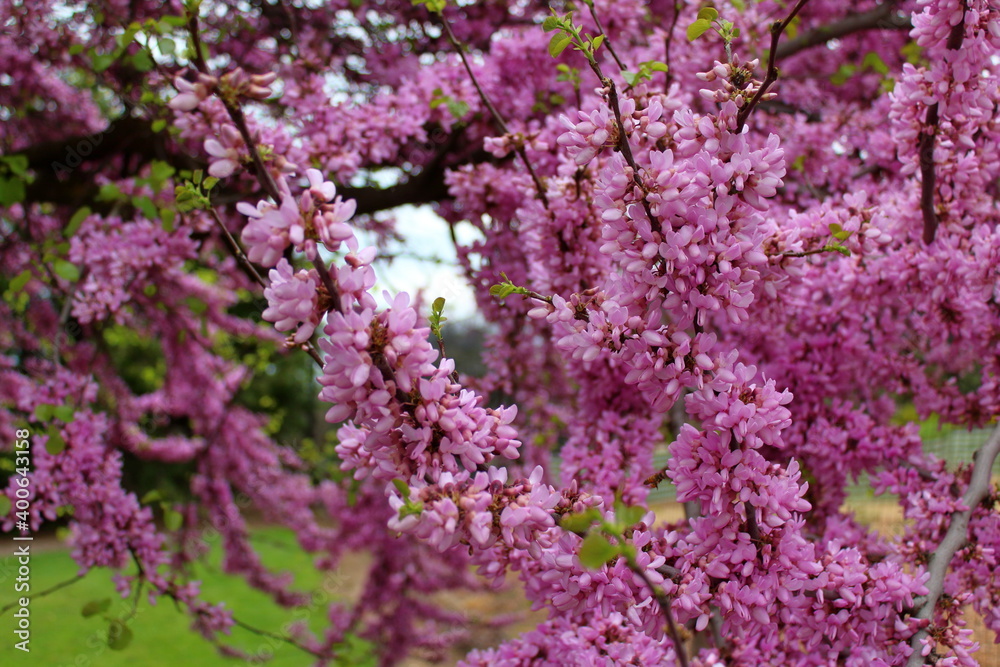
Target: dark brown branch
[[237, 250], [771, 76], [607, 39], [883, 17], [925, 147], [668, 75], [134, 139]]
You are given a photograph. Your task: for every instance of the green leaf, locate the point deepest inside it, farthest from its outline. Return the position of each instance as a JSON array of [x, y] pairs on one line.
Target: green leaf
[[843, 73], [150, 497], [95, 607], [167, 215], [581, 521], [43, 412], [838, 232], [551, 23], [119, 635], [657, 66], [196, 305], [158, 125], [142, 62], [596, 550], [17, 164], [628, 515], [166, 45], [11, 190], [411, 509], [402, 487], [172, 519], [873, 61], [630, 77], [101, 61], [159, 171], [596, 43], [707, 14], [433, 6], [438, 305], [168, 22], [21, 281], [558, 44], [76, 221], [66, 270], [697, 29], [457, 108], [146, 205], [64, 413], [5, 505], [109, 192], [55, 444]]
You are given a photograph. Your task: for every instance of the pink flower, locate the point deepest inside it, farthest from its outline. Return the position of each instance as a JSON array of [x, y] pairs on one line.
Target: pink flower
[[226, 152], [293, 301]]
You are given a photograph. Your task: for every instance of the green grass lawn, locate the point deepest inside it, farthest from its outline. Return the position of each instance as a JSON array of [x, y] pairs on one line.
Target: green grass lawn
[[62, 637]]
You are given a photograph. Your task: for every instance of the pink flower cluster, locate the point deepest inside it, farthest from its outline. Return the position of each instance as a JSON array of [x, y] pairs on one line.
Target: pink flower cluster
[[318, 215], [293, 301], [410, 416]]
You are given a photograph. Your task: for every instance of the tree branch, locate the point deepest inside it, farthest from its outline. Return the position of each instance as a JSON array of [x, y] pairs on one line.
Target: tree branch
[[771, 76], [925, 146], [883, 17], [955, 538]]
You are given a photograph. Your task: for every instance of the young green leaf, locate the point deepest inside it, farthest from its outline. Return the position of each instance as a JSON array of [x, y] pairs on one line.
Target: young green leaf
[[21, 281], [558, 43], [95, 607], [551, 23], [119, 635], [708, 14], [64, 413], [628, 515], [66, 270], [838, 232], [697, 29], [581, 521], [55, 444], [596, 550], [77, 220]]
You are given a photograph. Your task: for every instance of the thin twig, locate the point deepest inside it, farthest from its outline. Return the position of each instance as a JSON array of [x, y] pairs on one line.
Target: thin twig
[[777, 28], [278, 637], [955, 538], [47, 591], [237, 116], [501, 124], [237, 250], [602, 31], [663, 600], [668, 75]]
